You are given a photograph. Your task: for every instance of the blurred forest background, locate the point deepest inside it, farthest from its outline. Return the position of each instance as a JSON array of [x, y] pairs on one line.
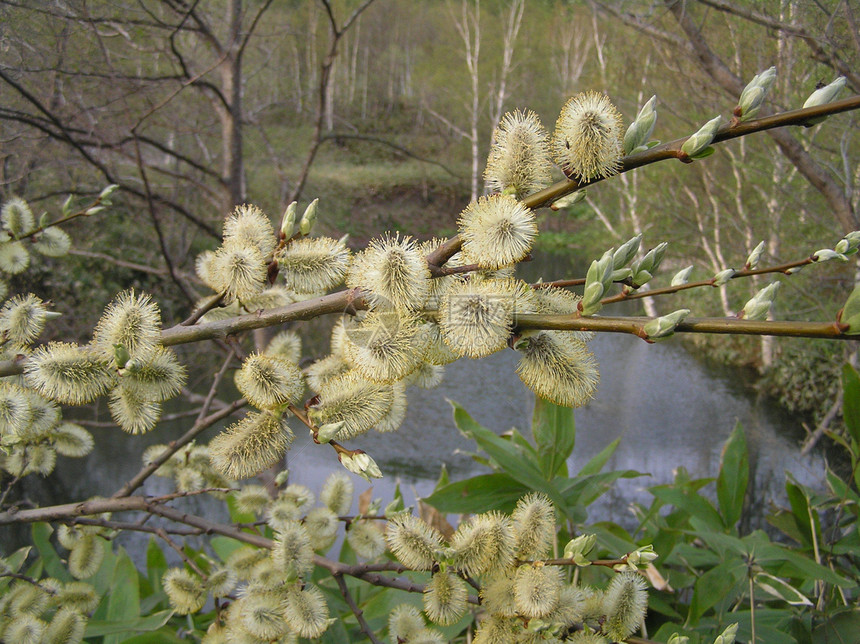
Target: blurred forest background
[[385, 110]]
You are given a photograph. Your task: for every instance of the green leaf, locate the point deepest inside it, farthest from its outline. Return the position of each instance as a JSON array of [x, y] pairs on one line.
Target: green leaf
[[510, 459], [715, 586], [99, 628], [124, 596], [225, 546], [851, 399], [798, 499], [585, 490], [478, 494], [704, 154], [733, 477], [850, 313], [781, 589], [598, 461], [693, 504], [554, 432], [156, 563], [841, 628], [53, 564], [164, 636]]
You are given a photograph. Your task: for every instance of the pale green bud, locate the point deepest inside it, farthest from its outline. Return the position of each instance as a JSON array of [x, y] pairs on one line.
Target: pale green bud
[[754, 93], [697, 143], [759, 305], [577, 548], [637, 135], [621, 274], [67, 206], [395, 507], [678, 639], [728, 635], [93, 211], [52, 315], [723, 276], [641, 277], [626, 252], [43, 220], [362, 464], [375, 505], [309, 218], [282, 478], [107, 192], [591, 297], [825, 254], [120, 355], [288, 221], [639, 557], [682, 276], [568, 200], [848, 245], [755, 256], [343, 239], [326, 433], [664, 326], [825, 94]]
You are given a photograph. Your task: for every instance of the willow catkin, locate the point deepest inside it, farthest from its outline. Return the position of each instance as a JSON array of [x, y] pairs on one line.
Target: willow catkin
[[404, 622], [52, 242], [23, 318], [534, 526], [131, 321], [350, 398], [269, 381], [413, 542], [17, 217], [587, 142], [497, 231], [337, 492], [519, 158], [536, 589], [392, 272], [184, 590], [134, 413], [555, 368], [252, 499], [286, 345], [157, 378], [445, 598], [68, 374], [86, 556], [366, 539], [66, 627], [249, 226], [483, 544], [313, 264], [386, 346], [624, 603], [306, 611], [292, 551], [251, 445]]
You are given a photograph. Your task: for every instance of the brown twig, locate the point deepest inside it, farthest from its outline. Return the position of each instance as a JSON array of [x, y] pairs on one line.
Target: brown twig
[[359, 614]]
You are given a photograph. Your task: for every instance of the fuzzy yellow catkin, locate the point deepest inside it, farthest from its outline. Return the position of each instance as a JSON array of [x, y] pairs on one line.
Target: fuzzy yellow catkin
[[26, 598], [404, 622], [313, 265], [262, 615], [587, 142], [497, 594], [337, 492], [25, 629], [23, 318], [323, 370], [570, 607], [52, 242], [17, 217], [14, 409], [484, 543], [396, 414], [66, 627], [14, 258], [184, 590], [366, 539], [292, 551], [519, 158], [536, 589], [306, 611], [413, 542], [321, 524], [132, 412], [269, 381], [476, 316], [221, 582], [497, 630], [286, 345], [426, 376], [158, 378], [386, 346], [392, 272], [497, 231], [555, 368], [237, 270], [534, 526], [559, 301], [44, 416], [132, 321], [350, 398], [77, 595], [624, 604], [445, 598], [247, 225], [68, 374], [86, 556], [252, 498], [248, 447]]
